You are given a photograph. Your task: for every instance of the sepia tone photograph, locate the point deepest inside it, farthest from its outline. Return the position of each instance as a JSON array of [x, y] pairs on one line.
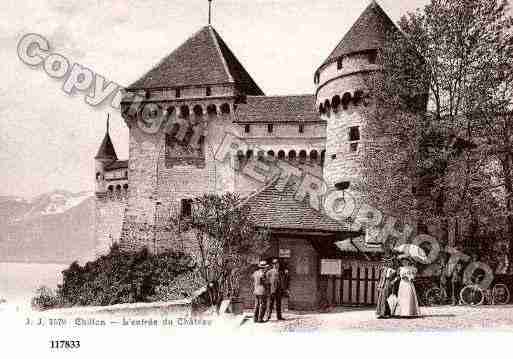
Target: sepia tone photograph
[[254, 168]]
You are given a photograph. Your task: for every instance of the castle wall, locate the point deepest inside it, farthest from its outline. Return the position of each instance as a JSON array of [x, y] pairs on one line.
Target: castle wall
[[109, 214], [159, 182]]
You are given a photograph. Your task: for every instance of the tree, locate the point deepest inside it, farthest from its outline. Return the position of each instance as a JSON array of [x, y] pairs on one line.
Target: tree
[[446, 80], [226, 242]]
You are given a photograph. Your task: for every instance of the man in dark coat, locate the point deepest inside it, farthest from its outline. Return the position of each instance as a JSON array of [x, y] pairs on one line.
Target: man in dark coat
[[277, 282], [259, 284]]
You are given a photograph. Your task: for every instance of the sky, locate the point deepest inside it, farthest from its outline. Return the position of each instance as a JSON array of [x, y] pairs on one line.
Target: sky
[[48, 139]]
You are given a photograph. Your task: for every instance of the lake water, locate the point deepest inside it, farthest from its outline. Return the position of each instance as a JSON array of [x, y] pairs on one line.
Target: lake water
[[19, 281]]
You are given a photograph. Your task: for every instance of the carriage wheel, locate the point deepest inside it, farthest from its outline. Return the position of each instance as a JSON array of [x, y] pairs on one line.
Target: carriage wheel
[[500, 294], [435, 296], [472, 295]]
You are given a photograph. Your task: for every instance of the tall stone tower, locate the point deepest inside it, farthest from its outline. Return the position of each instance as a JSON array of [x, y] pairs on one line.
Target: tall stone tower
[[344, 101], [178, 114]]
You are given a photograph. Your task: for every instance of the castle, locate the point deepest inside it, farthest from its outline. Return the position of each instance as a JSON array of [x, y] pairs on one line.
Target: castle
[[204, 92]]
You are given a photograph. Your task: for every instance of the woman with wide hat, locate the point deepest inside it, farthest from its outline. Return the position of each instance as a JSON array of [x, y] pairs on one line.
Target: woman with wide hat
[[408, 303]]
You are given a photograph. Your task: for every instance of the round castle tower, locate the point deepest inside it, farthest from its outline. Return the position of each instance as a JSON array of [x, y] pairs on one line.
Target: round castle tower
[[105, 156], [342, 97]]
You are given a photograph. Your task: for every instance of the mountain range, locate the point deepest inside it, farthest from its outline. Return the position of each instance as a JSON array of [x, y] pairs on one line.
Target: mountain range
[[55, 227]]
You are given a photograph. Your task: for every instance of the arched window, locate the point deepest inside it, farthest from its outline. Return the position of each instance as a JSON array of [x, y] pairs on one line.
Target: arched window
[[335, 102], [281, 155], [260, 155], [327, 105], [249, 154], [302, 156], [118, 188], [292, 155], [98, 176], [225, 108], [212, 109], [321, 109], [357, 98], [314, 156], [240, 156], [208, 91], [346, 98], [184, 111], [125, 187], [270, 153], [198, 111]]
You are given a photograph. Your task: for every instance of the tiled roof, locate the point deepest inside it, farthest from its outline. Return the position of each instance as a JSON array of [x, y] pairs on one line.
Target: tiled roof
[[204, 59], [117, 165], [280, 210], [367, 33], [106, 151], [295, 108]]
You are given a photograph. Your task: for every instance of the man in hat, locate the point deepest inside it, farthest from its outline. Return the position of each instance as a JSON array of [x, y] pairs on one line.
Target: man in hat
[[259, 284], [277, 287]]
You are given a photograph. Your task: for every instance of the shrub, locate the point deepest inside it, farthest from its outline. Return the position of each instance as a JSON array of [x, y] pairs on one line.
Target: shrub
[[118, 277]]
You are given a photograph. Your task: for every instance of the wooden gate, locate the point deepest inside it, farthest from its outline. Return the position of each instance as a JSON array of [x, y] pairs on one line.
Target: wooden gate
[[356, 286]]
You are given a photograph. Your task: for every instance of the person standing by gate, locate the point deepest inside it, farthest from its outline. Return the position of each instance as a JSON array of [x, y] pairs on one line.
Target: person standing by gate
[[386, 284], [259, 283], [277, 287]]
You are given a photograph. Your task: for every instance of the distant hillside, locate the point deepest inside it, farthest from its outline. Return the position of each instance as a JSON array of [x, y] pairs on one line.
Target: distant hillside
[[56, 227]]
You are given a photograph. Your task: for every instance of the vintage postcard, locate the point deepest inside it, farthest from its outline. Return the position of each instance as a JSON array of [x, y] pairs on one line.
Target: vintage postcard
[[224, 170]]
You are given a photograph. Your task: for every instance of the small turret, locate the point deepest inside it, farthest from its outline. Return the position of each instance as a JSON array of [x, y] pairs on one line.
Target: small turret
[[106, 155]]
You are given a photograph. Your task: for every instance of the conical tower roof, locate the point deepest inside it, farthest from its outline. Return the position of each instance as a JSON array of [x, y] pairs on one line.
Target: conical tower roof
[[106, 150], [204, 59], [367, 33]]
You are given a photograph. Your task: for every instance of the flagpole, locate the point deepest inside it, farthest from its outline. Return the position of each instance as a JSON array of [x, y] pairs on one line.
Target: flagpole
[[209, 12]]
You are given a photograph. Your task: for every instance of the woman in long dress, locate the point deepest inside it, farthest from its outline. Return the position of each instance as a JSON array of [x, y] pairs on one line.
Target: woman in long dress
[[385, 288], [407, 296]]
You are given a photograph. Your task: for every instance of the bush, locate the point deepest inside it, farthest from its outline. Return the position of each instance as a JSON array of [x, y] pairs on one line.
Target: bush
[[45, 299], [119, 277]]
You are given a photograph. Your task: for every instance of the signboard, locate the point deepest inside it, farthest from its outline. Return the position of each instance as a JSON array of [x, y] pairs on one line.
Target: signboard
[[284, 253], [331, 266]]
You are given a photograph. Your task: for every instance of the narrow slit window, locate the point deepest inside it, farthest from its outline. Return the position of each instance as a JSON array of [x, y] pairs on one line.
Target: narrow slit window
[[247, 129], [301, 128], [186, 211], [178, 93], [354, 138], [270, 128], [339, 64]]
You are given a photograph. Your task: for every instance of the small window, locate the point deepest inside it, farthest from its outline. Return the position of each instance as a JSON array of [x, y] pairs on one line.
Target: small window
[[178, 93], [247, 129], [342, 186], [301, 128], [208, 91], [339, 64], [270, 128], [372, 56], [354, 137], [333, 157], [316, 78], [354, 133], [186, 211]]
